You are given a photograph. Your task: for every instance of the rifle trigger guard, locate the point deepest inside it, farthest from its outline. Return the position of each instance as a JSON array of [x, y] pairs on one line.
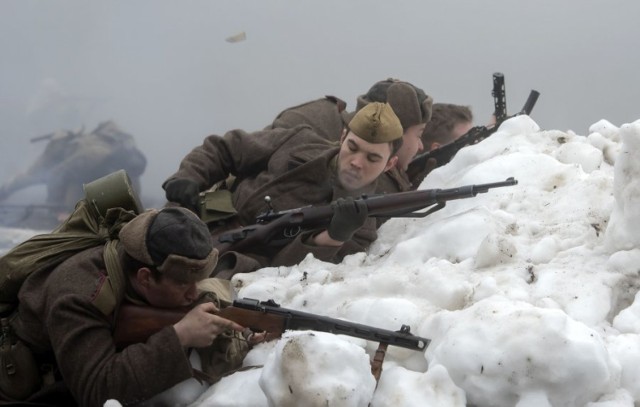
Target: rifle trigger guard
[[292, 232]]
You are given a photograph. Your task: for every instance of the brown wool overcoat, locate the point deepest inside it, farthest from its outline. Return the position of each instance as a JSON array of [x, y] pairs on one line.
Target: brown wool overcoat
[[294, 167], [323, 115], [57, 317]]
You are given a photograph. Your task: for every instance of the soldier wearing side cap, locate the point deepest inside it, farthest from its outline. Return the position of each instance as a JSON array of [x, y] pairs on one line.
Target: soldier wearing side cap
[[66, 315], [295, 167], [329, 117]]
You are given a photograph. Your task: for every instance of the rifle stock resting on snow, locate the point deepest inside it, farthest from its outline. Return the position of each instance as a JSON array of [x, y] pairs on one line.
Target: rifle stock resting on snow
[[476, 134], [136, 323], [277, 228]]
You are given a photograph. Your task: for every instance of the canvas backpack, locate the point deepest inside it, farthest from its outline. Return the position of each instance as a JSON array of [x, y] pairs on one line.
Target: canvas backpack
[[96, 220]]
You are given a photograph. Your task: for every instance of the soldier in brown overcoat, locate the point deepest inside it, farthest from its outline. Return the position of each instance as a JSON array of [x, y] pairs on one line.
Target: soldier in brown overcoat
[[66, 315], [295, 167], [329, 118]]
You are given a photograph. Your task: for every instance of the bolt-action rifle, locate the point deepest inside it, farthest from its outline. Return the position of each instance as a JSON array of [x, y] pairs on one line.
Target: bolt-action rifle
[[476, 134], [277, 228], [136, 323]]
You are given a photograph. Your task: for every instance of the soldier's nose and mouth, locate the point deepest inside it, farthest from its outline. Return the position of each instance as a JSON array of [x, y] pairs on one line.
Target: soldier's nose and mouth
[[351, 176]]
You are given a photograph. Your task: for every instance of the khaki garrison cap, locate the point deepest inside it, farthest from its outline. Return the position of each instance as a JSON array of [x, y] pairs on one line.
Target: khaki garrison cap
[[376, 123]]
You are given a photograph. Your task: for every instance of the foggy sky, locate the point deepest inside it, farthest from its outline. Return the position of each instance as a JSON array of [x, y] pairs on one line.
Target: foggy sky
[[163, 71]]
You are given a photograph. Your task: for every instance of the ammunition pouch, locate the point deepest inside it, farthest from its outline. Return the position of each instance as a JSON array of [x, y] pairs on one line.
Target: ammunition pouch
[[19, 373], [216, 205]]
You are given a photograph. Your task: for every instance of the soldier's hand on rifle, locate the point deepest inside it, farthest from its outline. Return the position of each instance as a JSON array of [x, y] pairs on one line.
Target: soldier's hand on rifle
[[254, 338], [348, 216], [200, 327], [183, 191]]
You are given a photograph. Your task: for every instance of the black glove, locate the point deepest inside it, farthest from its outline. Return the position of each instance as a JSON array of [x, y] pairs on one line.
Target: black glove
[[183, 191], [348, 216]]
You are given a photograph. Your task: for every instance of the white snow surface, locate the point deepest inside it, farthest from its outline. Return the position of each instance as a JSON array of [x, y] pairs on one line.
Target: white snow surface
[[528, 293]]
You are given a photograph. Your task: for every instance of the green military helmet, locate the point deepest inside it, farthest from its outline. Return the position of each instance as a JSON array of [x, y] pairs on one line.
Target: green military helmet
[[114, 190]]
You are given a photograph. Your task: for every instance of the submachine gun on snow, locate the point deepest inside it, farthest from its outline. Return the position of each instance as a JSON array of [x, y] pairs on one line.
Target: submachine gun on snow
[[476, 134], [277, 228], [136, 323]]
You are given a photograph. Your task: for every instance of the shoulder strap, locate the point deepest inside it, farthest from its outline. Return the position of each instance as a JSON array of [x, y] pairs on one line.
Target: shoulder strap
[[112, 291]]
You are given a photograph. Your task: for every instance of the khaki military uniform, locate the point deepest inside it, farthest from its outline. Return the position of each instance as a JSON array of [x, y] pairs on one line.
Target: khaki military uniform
[[294, 167]]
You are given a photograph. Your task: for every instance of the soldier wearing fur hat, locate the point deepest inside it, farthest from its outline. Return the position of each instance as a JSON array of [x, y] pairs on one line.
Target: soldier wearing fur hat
[[329, 117], [295, 167], [66, 315]]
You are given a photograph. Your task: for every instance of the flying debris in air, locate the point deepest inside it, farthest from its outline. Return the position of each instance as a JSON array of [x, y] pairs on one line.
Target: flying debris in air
[[237, 38]]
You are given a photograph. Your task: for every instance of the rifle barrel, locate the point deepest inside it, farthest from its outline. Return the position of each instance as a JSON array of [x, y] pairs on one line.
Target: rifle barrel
[[298, 320], [387, 205], [506, 183]]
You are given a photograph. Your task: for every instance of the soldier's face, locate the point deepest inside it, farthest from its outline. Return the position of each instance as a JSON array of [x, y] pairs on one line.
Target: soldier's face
[[458, 131], [166, 292], [411, 145], [361, 162]]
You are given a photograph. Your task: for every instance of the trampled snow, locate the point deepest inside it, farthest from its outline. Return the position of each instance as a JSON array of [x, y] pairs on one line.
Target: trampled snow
[[527, 292]]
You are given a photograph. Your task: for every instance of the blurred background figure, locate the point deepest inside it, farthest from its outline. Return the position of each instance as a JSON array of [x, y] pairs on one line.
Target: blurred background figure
[[73, 158]]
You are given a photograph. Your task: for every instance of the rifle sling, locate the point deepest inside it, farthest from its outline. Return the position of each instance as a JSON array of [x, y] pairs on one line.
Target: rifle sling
[[112, 292]]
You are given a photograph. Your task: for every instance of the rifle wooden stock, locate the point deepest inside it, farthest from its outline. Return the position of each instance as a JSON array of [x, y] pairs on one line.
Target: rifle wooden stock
[[135, 324]]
